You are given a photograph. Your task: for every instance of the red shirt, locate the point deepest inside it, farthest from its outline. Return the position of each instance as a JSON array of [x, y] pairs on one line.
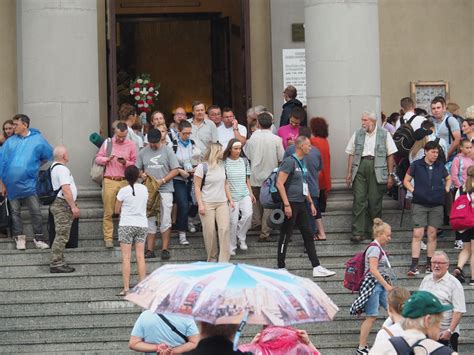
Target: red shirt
[[325, 174]]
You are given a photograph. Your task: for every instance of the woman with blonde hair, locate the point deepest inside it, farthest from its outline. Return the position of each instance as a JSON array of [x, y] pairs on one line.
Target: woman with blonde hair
[[213, 198], [376, 283], [467, 235], [391, 327]]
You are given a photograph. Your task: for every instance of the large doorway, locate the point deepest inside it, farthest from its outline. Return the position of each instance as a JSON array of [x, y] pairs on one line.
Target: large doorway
[[195, 51]]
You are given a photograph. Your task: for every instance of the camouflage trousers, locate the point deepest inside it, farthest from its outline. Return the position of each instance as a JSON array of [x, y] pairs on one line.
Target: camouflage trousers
[[62, 214]]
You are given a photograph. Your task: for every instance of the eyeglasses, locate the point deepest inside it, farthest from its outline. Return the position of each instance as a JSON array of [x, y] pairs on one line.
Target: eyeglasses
[[439, 262]]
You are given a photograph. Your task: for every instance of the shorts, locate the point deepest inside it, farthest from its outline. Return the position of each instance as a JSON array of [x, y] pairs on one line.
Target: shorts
[[467, 235], [377, 298], [426, 216], [132, 234], [166, 209]]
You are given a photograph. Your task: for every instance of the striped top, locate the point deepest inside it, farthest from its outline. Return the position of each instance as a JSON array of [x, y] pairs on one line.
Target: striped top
[[449, 291], [237, 172]]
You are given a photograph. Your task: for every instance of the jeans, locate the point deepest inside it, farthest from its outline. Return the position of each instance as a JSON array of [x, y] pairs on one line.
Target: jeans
[[377, 298], [239, 228], [300, 218], [33, 205], [182, 192]]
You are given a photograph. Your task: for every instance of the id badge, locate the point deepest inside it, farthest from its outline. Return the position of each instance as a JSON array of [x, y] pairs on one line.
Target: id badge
[[305, 188]]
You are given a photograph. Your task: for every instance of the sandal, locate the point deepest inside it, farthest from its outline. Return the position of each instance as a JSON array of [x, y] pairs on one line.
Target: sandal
[[318, 238], [459, 274], [123, 293]]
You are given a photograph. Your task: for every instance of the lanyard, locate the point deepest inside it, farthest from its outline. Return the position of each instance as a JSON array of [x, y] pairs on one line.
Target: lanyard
[[301, 165]]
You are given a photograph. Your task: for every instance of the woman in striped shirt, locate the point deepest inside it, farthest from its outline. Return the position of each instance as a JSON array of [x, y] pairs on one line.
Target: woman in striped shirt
[[238, 175]]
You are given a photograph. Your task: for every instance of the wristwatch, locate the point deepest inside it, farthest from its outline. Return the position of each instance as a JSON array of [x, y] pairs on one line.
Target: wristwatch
[[450, 331]]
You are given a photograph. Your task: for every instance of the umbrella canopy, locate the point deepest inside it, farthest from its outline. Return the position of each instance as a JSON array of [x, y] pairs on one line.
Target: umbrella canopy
[[222, 293]]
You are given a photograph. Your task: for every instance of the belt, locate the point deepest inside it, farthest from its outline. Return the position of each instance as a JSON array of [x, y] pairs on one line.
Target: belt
[[115, 178], [369, 157]]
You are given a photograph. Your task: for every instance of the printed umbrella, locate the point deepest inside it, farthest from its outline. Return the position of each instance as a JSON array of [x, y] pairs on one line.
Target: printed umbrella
[[223, 293]]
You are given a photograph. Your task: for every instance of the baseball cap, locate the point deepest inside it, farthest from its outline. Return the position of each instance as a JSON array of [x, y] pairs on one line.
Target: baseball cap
[[154, 136], [422, 303], [421, 133]]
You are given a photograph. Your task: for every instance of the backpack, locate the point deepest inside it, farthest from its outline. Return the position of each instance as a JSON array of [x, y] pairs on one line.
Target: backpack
[[44, 186], [269, 196], [404, 137], [205, 167], [354, 269], [402, 348], [462, 214], [175, 144]]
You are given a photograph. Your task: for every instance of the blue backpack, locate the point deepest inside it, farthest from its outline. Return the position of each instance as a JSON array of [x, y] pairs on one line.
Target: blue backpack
[[44, 186]]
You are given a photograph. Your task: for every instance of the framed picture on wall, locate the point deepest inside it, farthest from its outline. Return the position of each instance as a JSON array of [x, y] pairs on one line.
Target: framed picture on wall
[[422, 92]]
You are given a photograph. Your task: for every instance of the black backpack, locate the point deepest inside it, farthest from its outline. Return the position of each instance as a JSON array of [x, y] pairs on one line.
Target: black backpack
[[175, 144], [402, 347], [44, 186], [404, 137]]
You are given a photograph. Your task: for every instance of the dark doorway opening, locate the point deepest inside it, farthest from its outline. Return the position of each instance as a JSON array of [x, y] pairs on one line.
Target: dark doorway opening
[[193, 56]]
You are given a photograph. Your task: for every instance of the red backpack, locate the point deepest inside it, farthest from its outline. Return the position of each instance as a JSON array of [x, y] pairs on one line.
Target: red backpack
[[462, 213], [354, 269]]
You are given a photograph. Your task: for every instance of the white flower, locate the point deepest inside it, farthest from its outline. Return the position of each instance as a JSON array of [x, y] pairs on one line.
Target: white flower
[[137, 97], [146, 82], [145, 105], [131, 92], [156, 93], [140, 105], [151, 88], [136, 89], [140, 81]]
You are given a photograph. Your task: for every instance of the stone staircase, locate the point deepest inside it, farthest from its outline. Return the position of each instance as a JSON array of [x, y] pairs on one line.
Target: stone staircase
[[80, 313]]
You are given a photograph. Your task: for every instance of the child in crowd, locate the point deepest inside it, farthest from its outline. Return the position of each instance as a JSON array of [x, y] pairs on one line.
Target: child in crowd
[[133, 225]]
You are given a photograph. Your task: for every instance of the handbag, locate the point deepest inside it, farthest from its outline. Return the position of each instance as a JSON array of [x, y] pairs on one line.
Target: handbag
[[97, 171]]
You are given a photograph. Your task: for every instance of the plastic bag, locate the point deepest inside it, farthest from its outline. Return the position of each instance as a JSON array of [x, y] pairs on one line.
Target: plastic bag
[[279, 341]]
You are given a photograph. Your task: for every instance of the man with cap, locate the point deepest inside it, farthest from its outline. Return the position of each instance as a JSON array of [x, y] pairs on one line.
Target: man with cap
[[423, 313], [159, 161], [449, 291]]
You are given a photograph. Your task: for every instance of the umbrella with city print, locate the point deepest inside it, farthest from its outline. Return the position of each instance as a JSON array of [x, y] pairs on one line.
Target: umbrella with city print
[[223, 293]]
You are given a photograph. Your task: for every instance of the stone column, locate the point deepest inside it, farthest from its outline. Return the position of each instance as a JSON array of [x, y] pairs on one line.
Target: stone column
[[58, 75], [8, 89], [342, 68]]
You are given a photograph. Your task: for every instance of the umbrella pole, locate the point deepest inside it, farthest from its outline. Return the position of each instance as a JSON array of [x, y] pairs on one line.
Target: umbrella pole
[[241, 328]]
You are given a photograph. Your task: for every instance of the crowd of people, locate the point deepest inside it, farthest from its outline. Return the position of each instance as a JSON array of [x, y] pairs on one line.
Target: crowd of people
[[209, 169]]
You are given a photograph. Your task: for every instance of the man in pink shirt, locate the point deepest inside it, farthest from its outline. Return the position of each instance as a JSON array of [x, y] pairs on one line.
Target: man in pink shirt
[[290, 132], [124, 153]]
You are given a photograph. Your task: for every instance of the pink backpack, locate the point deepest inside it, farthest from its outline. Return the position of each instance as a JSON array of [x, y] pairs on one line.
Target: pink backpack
[[462, 213], [354, 269]]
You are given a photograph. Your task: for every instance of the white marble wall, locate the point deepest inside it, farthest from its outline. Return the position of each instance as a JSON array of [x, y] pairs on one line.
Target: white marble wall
[[342, 67], [58, 80]]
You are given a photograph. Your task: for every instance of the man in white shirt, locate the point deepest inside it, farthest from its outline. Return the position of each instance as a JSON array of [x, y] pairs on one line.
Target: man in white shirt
[[408, 106], [230, 128], [203, 130], [63, 209], [265, 151], [449, 292]]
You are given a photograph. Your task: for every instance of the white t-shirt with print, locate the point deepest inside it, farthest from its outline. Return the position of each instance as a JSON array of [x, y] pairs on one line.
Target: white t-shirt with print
[[133, 211]]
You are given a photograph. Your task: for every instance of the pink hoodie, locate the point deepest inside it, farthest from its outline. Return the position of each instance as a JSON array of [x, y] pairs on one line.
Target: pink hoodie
[[459, 169]]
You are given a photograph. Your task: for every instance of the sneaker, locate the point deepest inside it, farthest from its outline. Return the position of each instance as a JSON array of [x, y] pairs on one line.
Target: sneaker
[[232, 252], [243, 245], [321, 271], [165, 254], [471, 283], [459, 274], [364, 350], [39, 244], [63, 269], [109, 244], [20, 242], [413, 271], [428, 269], [192, 228], [182, 239], [423, 245], [283, 269], [150, 254], [458, 244]]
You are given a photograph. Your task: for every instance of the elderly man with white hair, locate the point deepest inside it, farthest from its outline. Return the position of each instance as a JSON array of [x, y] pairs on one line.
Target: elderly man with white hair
[[370, 170]]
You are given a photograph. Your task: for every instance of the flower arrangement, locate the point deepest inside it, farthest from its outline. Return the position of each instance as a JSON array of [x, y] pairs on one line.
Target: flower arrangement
[[144, 92]]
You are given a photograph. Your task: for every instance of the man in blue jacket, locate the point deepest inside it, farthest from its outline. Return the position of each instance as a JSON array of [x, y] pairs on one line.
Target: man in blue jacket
[[21, 157]]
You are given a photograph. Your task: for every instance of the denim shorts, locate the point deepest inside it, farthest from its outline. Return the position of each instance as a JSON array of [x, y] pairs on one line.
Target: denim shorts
[[377, 298]]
